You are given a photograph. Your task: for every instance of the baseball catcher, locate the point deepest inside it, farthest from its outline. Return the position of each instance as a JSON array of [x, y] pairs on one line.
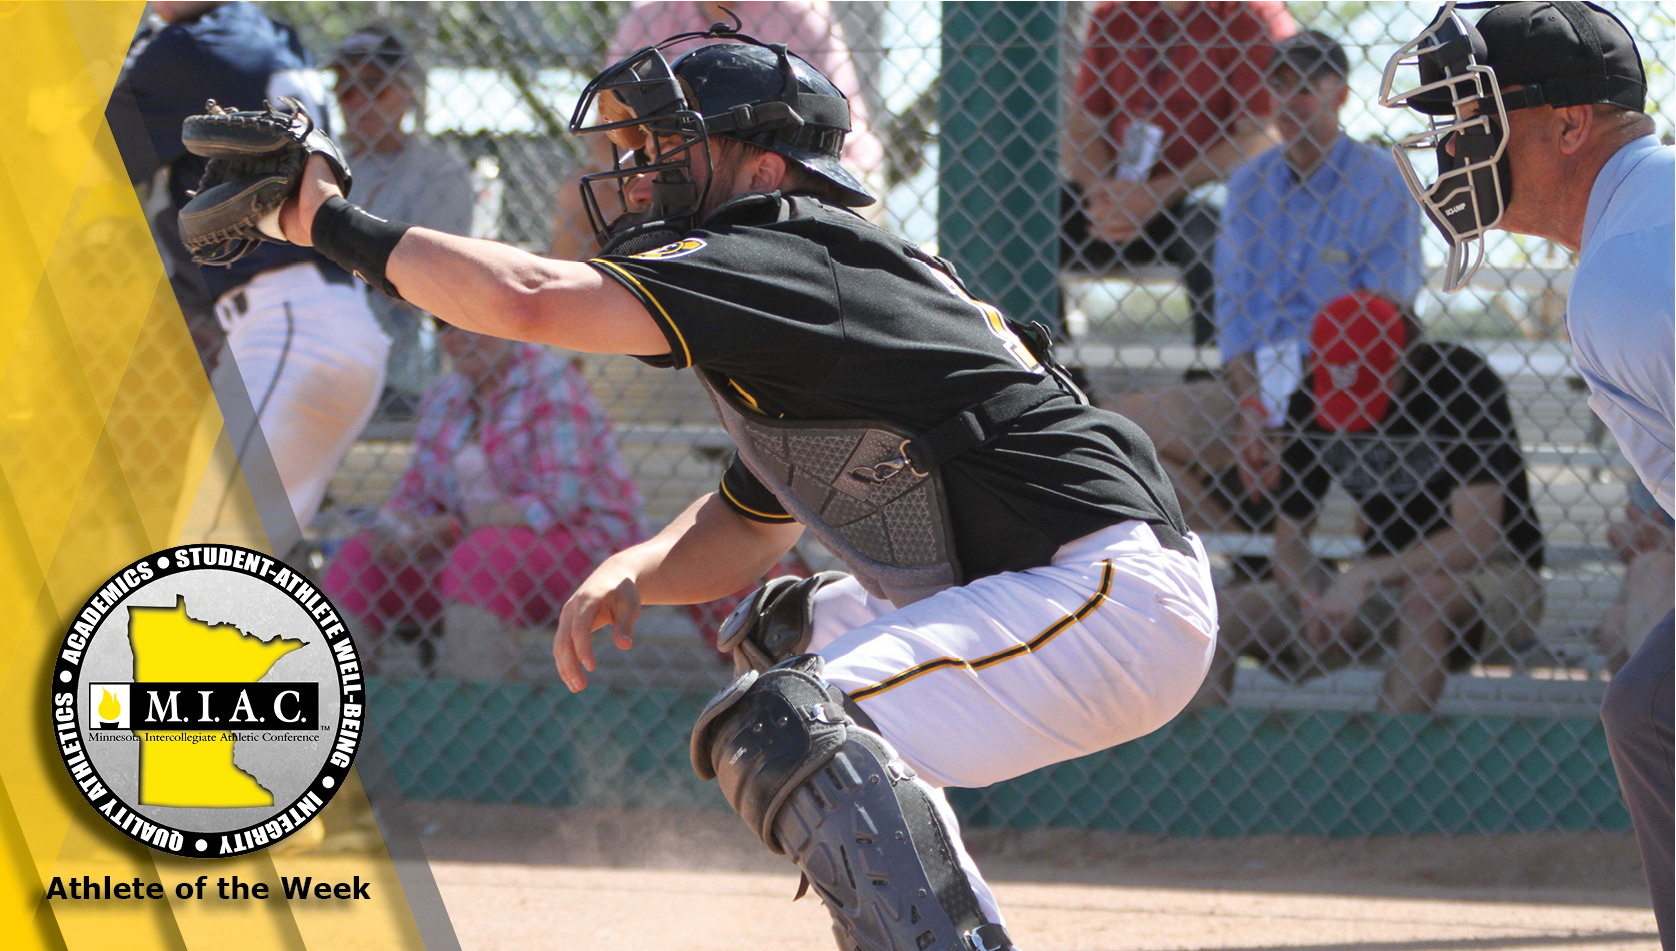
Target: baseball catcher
[[1021, 586]]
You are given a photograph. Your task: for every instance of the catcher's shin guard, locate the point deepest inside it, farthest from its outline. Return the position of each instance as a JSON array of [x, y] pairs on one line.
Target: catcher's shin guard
[[774, 623], [834, 797]]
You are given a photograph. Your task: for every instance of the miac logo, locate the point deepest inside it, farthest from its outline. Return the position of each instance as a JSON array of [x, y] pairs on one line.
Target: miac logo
[[208, 700], [109, 703]]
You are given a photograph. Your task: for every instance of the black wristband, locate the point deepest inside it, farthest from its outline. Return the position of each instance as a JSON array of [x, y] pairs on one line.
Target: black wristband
[[357, 241]]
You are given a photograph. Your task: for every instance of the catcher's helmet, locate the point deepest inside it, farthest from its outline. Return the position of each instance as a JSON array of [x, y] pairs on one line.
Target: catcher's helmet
[[771, 98], [747, 90]]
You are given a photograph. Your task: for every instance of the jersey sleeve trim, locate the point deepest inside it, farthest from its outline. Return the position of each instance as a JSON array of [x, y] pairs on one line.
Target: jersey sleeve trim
[[651, 304], [747, 397], [775, 517]]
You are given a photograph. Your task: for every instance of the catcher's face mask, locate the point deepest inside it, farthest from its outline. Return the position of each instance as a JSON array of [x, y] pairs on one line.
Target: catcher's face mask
[[656, 130], [1467, 134], [755, 92]]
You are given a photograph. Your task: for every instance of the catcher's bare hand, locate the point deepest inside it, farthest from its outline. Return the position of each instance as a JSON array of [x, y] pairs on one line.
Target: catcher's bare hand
[[296, 216], [608, 596]]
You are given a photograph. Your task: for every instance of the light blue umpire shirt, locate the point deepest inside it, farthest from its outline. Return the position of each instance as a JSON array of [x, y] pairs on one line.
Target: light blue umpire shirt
[[1288, 247], [1622, 310]]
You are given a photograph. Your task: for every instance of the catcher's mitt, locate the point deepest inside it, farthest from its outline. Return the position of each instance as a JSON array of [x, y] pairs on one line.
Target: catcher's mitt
[[256, 162]]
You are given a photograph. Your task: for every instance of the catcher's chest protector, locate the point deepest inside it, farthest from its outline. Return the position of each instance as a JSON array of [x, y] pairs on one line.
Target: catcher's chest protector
[[847, 482]]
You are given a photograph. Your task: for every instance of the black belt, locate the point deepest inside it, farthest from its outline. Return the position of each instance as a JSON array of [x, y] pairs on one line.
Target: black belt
[[975, 425], [332, 274], [981, 423]]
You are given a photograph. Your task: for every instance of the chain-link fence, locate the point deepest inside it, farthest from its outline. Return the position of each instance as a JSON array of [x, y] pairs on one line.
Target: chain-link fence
[[1453, 564]]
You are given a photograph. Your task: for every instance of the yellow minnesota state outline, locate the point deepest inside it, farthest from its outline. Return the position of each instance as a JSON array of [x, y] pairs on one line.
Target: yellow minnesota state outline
[[195, 769]]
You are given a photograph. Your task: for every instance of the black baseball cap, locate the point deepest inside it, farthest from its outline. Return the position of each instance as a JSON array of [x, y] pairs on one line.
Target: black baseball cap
[[1562, 53], [1311, 53]]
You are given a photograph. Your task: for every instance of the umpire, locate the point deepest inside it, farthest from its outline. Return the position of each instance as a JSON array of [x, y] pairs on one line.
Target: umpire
[[1553, 141], [1023, 589]]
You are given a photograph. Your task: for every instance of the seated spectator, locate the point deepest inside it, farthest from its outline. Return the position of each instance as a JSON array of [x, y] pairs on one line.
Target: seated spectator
[[1170, 96], [1643, 542], [1320, 217], [514, 494], [1420, 435], [400, 175], [807, 27]]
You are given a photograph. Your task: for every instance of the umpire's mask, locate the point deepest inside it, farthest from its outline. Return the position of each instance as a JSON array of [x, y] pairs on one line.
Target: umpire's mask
[[660, 116], [1558, 53]]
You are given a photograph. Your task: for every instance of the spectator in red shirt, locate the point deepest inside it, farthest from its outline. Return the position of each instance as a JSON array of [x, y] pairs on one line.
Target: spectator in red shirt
[[1170, 96]]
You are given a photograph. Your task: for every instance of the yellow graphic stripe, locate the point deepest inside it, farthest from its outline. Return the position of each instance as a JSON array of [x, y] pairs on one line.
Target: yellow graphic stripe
[[645, 295], [89, 337], [990, 660], [100, 404], [768, 516]]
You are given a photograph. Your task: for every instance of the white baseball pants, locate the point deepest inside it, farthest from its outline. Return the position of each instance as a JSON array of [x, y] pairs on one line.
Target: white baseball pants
[[310, 355], [1021, 670]]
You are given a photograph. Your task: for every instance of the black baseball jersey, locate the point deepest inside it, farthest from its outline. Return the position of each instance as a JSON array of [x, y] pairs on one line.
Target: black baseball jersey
[[805, 311], [1449, 426]]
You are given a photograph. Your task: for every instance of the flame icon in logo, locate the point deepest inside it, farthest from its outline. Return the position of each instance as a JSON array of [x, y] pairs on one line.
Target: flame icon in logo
[[110, 708]]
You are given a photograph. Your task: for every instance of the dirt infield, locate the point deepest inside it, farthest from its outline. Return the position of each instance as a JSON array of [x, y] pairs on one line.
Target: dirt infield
[[516, 877]]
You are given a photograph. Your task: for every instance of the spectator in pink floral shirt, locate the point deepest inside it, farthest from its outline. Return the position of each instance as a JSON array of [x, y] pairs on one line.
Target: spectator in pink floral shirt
[[515, 492]]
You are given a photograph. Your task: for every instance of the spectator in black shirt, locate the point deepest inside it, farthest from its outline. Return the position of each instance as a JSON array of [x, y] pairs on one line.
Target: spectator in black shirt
[[1420, 435]]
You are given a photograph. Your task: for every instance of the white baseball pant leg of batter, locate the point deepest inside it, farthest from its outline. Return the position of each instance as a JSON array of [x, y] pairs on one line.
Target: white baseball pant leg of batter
[[1021, 670], [311, 355]]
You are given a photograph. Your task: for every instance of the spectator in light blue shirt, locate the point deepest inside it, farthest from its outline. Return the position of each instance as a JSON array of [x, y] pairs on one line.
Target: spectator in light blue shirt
[[1320, 218], [1309, 223]]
